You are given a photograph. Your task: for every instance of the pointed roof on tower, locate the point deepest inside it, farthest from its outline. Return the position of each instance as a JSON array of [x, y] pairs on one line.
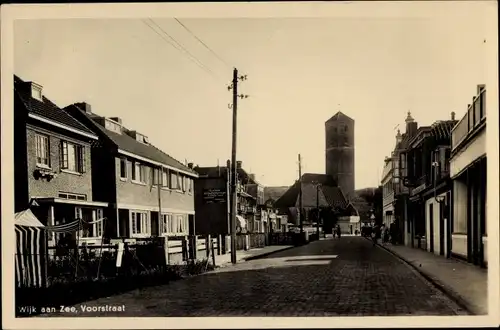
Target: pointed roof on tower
[[339, 115]]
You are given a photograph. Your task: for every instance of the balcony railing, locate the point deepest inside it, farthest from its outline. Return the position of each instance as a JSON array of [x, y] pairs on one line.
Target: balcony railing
[[476, 113]]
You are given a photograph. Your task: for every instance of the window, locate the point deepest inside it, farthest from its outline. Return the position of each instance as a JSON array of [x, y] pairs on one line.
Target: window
[[190, 185], [164, 178], [123, 168], [93, 230], [345, 128], [184, 183], [179, 182], [139, 224], [166, 219], [73, 157], [156, 177], [42, 150], [138, 172], [36, 93], [174, 184], [112, 126], [79, 197]]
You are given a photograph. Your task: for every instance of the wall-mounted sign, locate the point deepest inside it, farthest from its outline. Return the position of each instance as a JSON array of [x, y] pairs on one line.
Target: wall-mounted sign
[[214, 195]]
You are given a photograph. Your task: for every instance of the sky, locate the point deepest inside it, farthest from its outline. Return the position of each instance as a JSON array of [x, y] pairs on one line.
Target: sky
[[300, 72]]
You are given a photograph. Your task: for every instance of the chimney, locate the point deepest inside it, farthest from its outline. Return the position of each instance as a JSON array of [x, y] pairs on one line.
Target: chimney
[[84, 106], [190, 165], [453, 115], [239, 164], [399, 137], [411, 125], [480, 87]]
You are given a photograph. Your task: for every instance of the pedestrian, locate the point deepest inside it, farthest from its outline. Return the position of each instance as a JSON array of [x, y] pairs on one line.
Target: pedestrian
[[338, 231], [374, 234]]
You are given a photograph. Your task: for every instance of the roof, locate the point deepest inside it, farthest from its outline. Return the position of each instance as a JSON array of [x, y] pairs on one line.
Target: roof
[[328, 196], [46, 108], [26, 218], [442, 129], [338, 116], [274, 193], [129, 144]]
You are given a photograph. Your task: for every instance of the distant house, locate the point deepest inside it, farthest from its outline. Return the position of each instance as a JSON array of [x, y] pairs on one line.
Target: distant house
[[138, 180], [317, 190], [52, 162]]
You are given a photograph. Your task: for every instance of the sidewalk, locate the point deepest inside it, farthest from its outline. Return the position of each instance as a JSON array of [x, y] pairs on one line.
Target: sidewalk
[[466, 283], [241, 255]]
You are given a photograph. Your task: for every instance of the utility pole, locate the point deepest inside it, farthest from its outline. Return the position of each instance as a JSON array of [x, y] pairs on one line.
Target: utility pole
[[301, 226], [234, 196]]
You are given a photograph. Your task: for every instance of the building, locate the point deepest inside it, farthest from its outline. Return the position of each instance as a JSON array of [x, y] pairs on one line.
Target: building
[[468, 172], [52, 163], [399, 176], [318, 191], [387, 183], [271, 195], [149, 192], [212, 201], [427, 177], [339, 151]]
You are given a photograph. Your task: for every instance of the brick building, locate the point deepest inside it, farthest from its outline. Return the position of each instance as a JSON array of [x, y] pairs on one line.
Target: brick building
[[52, 162], [137, 180], [339, 151]]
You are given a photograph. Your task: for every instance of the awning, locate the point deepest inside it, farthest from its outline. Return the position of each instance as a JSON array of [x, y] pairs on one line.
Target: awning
[[242, 221], [26, 218]]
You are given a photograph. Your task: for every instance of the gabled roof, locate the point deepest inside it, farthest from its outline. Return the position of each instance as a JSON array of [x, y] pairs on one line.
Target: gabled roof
[[45, 109], [329, 195], [130, 145], [274, 193], [340, 116]]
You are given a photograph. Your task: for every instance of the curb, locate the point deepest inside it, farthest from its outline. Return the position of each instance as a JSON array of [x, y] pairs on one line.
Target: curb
[[461, 302], [266, 254]]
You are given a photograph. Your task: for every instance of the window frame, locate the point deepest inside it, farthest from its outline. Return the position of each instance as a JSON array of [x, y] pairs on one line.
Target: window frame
[[38, 149], [79, 157], [138, 168], [124, 163], [145, 223]]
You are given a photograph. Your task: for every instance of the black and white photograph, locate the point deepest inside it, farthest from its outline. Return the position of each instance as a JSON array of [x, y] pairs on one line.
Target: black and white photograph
[[284, 164]]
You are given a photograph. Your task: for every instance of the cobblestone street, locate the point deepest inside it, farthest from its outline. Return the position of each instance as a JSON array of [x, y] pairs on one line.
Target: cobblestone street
[[325, 278]]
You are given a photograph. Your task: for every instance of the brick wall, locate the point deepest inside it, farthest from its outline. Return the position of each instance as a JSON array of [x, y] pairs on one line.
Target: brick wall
[[64, 182], [131, 193]]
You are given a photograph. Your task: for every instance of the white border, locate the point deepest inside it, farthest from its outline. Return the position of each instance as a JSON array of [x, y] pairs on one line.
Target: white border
[[230, 10]]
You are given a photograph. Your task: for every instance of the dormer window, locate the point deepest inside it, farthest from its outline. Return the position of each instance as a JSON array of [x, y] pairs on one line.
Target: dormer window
[[36, 92], [113, 126]]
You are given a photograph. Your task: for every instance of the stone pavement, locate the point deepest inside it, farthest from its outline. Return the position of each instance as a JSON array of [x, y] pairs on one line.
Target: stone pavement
[[324, 278], [465, 282]]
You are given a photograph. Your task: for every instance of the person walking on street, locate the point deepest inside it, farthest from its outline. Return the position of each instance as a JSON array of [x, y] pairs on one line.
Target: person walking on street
[[374, 234]]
